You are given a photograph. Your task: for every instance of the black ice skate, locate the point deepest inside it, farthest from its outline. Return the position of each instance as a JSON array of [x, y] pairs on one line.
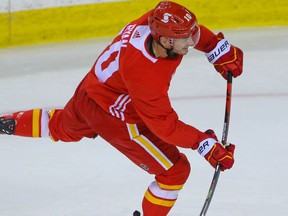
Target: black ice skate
[[7, 126]]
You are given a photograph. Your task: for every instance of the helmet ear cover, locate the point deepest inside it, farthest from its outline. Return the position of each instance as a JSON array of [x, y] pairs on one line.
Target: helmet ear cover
[[172, 20]]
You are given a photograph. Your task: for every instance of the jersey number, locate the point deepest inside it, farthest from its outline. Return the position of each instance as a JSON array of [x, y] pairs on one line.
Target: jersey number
[[108, 62]]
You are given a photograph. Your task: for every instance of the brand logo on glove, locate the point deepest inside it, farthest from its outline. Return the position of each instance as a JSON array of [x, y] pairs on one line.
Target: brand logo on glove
[[202, 148], [205, 146], [222, 48]]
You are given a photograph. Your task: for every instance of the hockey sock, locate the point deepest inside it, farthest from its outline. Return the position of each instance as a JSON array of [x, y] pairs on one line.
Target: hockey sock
[[31, 123], [158, 201]]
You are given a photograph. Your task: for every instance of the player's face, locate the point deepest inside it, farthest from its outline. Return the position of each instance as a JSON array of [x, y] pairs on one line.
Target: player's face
[[180, 46]]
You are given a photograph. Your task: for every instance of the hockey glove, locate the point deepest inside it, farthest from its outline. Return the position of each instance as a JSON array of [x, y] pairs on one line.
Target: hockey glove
[[225, 57], [214, 152]]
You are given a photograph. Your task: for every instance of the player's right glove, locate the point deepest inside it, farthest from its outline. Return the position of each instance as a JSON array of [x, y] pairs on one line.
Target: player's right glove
[[214, 152], [225, 57]]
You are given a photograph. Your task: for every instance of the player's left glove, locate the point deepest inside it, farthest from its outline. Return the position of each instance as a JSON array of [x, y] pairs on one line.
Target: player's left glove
[[225, 57], [214, 152]]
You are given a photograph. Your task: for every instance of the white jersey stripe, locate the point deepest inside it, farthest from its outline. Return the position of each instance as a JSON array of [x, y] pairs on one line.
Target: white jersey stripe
[[118, 108]]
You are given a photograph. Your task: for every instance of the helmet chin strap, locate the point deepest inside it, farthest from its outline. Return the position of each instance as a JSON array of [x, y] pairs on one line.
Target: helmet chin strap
[[169, 51]]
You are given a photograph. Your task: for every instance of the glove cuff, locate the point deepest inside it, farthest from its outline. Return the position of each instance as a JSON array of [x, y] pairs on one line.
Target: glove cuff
[[205, 146], [221, 49]]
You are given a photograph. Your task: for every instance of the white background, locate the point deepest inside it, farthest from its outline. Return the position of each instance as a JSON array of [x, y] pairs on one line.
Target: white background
[[19, 5], [90, 178]]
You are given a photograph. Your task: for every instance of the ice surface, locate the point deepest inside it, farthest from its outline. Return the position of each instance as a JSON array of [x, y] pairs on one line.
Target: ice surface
[[41, 178]]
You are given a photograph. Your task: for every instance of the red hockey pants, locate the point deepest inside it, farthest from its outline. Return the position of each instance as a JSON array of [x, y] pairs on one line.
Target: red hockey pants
[[82, 117]]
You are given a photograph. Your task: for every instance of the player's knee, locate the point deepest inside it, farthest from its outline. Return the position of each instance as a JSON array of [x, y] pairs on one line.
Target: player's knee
[[177, 174]]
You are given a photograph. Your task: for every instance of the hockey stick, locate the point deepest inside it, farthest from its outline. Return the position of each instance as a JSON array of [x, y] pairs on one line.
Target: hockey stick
[[224, 141]]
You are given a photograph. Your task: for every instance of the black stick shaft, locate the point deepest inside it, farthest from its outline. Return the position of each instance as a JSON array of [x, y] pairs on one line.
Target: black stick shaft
[[224, 141]]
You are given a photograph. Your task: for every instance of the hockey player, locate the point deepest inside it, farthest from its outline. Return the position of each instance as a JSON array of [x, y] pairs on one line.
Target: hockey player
[[124, 100]]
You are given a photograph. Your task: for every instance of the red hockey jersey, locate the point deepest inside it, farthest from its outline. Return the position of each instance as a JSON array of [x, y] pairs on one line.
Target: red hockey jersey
[[131, 84]]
